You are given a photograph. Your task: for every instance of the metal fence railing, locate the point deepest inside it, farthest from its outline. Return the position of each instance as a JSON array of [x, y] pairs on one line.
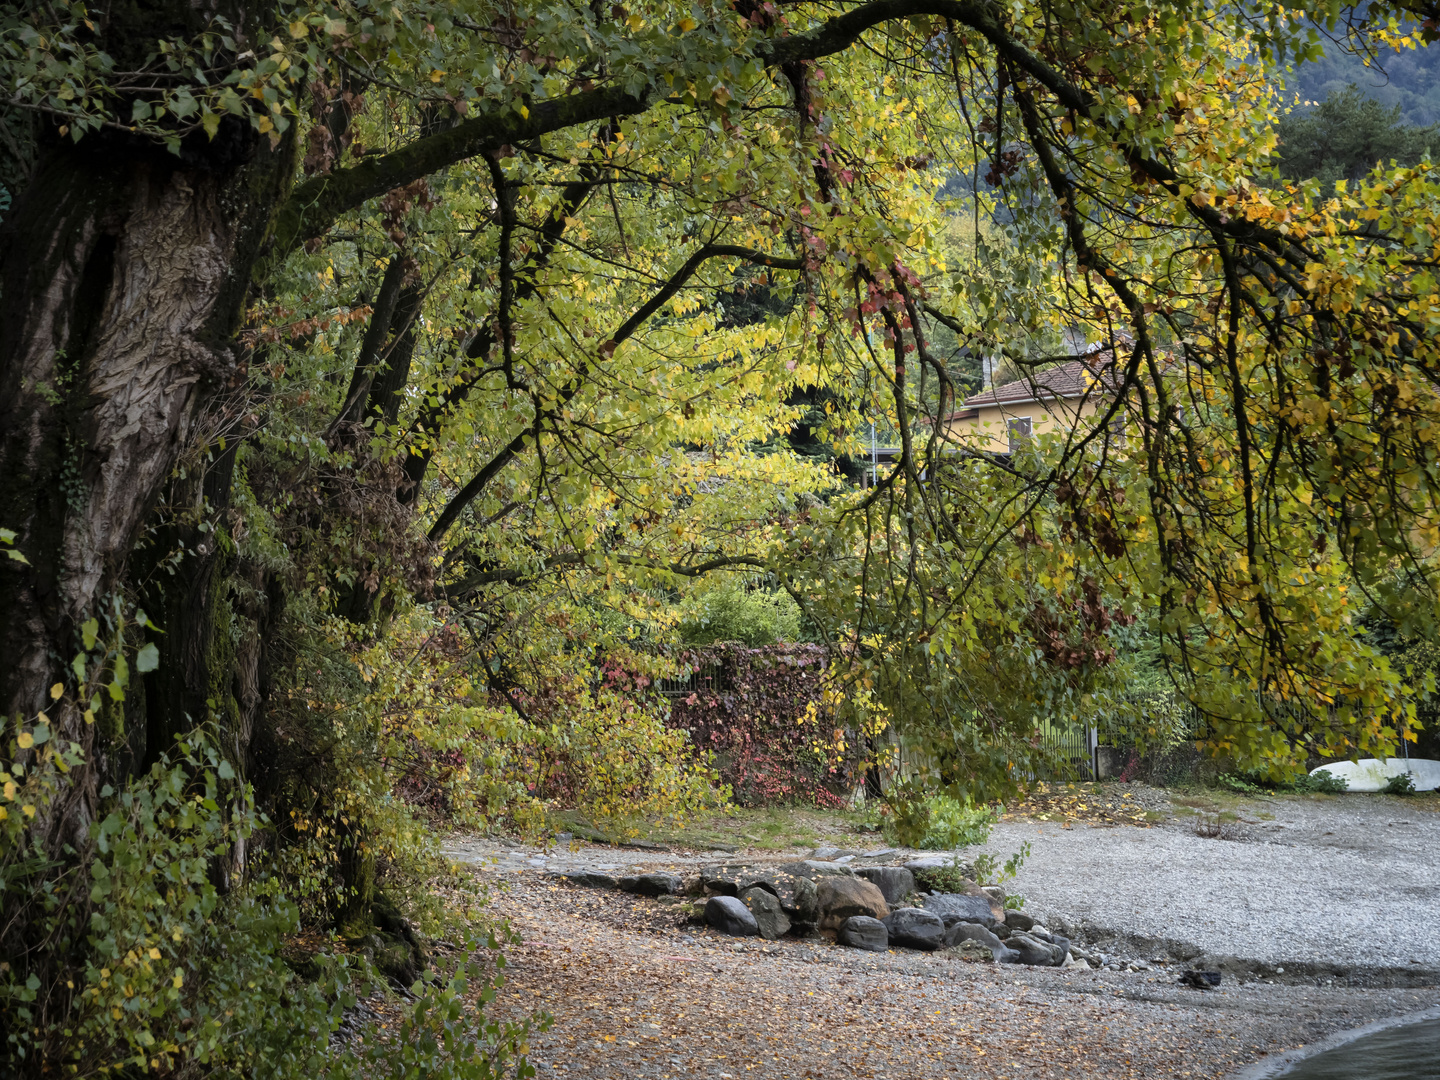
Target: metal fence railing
[[709, 678], [1074, 751]]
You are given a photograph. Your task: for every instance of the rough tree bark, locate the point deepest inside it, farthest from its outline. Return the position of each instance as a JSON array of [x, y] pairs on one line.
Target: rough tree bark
[[124, 271]]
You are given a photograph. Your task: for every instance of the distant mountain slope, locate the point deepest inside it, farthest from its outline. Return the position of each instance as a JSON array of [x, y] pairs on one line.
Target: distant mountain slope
[[1410, 79]]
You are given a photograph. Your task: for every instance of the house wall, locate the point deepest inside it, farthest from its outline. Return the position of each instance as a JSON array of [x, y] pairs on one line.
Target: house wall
[[989, 429]]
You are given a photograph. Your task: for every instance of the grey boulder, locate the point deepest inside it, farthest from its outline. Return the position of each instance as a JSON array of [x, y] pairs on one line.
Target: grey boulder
[[894, 882], [805, 899], [915, 928], [657, 884], [960, 932], [729, 916], [975, 909], [815, 869], [838, 898], [765, 907], [592, 879], [863, 932], [1019, 920], [1035, 952]]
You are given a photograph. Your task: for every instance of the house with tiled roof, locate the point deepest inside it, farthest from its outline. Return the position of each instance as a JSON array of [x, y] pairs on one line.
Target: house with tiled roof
[[1003, 418]]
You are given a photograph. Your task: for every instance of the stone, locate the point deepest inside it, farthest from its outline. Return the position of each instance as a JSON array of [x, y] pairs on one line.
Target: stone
[[721, 886], [1059, 941], [764, 905], [970, 908], [975, 951], [661, 883], [863, 932], [591, 879], [915, 928], [729, 916], [894, 882], [997, 907], [1019, 920], [1073, 963], [960, 932], [815, 869], [1201, 980], [806, 902], [1035, 952], [839, 898], [829, 854], [933, 862]]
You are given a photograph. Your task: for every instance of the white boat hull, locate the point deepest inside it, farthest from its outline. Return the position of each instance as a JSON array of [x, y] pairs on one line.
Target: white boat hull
[[1372, 774]]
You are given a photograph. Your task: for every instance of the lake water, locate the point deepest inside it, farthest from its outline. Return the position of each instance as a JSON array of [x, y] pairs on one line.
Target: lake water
[[1411, 1052]]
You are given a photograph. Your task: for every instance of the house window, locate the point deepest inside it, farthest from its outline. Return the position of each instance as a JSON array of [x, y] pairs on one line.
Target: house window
[[1019, 432]]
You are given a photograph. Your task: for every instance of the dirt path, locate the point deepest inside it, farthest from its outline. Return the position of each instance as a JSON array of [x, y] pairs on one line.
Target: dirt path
[[636, 995]]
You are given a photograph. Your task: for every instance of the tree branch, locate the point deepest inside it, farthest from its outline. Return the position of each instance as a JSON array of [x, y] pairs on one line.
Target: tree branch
[[677, 280]]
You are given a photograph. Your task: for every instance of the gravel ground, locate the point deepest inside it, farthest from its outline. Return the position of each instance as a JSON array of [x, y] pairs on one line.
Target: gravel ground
[[1350, 880], [1319, 910], [635, 995]]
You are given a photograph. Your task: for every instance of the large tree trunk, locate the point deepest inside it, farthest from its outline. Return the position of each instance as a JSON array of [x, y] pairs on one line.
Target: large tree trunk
[[124, 272]]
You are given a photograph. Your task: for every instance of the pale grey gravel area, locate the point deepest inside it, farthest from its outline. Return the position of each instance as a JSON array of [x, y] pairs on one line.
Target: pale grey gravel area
[[1350, 879]]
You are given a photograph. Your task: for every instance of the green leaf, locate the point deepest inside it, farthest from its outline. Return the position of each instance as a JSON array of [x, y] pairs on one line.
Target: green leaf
[[90, 631], [148, 658], [225, 771]]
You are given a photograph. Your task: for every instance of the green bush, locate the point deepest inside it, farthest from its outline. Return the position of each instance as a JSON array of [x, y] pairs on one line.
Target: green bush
[[142, 962], [939, 823], [131, 959], [733, 611], [1322, 781], [1401, 784]]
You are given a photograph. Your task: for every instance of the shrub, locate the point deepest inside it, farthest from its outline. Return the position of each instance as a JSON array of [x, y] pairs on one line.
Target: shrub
[[131, 960], [733, 611], [142, 962], [939, 823], [763, 713], [1322, 781], [1401, 784]]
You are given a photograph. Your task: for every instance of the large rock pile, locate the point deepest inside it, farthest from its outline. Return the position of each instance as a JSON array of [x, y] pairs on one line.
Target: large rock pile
[[873, 907]]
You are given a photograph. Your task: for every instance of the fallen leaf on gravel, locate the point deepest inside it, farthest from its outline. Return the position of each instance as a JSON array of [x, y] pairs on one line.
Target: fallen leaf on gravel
[[1068, 803]]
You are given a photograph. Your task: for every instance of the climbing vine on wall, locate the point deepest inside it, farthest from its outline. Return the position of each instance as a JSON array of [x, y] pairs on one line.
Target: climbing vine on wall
[[762, 713]]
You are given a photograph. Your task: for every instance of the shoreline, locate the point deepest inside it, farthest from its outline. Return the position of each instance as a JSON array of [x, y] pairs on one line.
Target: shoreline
[[638, 996]]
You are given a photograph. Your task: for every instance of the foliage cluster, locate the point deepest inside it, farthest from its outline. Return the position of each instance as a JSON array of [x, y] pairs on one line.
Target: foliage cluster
[[1344, 136], [731, 610], [939, 823], [764, 715], [174, 951]]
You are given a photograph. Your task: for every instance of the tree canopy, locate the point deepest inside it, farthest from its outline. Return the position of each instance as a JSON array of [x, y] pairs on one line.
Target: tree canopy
[[379, 381]]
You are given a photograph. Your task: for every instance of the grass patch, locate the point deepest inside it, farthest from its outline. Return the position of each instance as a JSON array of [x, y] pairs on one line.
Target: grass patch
[[769, 828]]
